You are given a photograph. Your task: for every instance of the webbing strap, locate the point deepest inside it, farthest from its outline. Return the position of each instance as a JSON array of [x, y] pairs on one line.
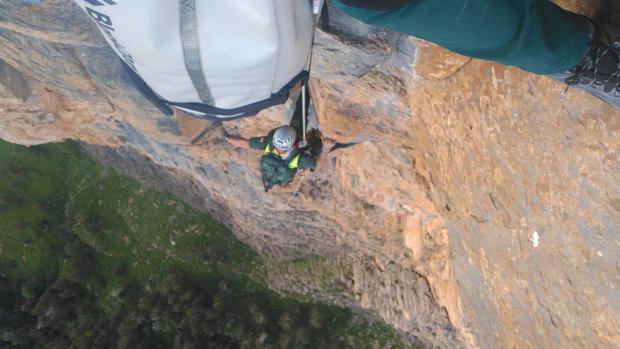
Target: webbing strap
[[303, 113], [191, 49], [317, 5]]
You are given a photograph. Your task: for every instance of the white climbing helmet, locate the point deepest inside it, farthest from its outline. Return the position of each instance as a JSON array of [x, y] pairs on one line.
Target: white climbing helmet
[[284, 137]]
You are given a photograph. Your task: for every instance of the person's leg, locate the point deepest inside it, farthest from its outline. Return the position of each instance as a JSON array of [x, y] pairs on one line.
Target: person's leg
[[534, 35]]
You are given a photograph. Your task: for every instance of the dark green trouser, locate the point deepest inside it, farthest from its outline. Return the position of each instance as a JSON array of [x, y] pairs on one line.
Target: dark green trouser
[[534, 35]]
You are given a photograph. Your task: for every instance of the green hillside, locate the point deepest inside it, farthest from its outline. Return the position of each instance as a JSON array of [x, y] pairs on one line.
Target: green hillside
[[92, 259]]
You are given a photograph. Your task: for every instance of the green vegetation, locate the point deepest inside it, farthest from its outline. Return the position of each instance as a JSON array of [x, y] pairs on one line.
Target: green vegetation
[[91, 259]]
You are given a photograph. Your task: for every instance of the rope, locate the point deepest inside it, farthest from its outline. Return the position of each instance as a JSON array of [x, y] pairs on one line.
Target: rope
[[317, 5], [303, 114], [296, 189], [316, 10]]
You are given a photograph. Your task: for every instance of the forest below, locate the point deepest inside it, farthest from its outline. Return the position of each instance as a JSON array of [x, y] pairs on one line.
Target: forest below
[[91, 259]]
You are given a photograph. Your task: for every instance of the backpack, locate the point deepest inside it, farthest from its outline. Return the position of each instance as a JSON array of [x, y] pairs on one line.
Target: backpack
[[216, 59], [274, 171]]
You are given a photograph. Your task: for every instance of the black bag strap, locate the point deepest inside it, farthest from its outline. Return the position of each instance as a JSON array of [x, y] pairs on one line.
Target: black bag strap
[[214, 113], [146, 91]]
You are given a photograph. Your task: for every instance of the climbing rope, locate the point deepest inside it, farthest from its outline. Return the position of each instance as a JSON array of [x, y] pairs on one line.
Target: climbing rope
[[316, 10], [317, 5], [303, 115], [296, 189]]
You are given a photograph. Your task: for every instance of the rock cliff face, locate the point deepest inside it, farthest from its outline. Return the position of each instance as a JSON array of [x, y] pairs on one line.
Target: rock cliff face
[[485, 213]]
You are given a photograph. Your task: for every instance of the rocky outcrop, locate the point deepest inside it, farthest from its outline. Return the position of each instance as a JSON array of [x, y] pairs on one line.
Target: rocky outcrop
[[431, 226]]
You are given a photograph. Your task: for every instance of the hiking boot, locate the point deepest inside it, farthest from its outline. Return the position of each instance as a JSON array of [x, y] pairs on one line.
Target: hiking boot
[[599, 71]]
